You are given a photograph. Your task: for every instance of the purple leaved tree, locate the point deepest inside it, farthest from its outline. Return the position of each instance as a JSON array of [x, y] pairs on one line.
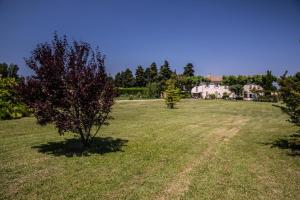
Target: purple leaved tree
[[69, 88]]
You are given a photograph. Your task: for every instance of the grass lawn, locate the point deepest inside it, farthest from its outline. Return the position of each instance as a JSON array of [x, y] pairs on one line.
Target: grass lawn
[[202, 150]]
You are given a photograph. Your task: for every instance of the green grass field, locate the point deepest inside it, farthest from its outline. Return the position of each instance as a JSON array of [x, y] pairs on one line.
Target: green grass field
[[201, 150]]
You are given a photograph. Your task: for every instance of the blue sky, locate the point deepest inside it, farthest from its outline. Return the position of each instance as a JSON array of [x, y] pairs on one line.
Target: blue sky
[[217, 36]]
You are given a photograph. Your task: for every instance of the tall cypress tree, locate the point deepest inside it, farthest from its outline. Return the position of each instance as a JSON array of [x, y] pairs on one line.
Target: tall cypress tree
[[165, 72], [128, 78], [118, 80], [140, 79], [153, 72], [189, 70], [147, 75]]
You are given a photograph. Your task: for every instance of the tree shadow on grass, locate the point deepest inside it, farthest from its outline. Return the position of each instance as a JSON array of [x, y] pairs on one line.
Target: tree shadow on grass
[[73, 147], [291, 143]]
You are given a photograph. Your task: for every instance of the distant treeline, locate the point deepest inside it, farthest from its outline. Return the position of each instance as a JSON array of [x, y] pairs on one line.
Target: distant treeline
[[186, 80], [150, 74], [10, 70], [266, 80]]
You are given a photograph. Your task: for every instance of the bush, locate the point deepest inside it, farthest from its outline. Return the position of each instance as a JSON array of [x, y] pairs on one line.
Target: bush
[[10, 106], [225, 95], [212, 96], [140, 95], [267, 98], [185, 94], [152, 90], [239, 98]]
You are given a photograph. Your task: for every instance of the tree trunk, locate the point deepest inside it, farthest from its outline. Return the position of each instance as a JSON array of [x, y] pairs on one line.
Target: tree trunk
[[85, 141], [170, 105]]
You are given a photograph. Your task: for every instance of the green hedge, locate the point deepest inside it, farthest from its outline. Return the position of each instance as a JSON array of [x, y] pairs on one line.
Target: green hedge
[[131, 91]]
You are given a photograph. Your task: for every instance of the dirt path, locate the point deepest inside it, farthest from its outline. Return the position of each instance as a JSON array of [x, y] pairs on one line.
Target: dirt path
[[180, 184]]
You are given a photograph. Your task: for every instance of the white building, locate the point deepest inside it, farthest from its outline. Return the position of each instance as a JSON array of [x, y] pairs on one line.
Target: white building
[[251, 91], [212, 87], [204, 90]]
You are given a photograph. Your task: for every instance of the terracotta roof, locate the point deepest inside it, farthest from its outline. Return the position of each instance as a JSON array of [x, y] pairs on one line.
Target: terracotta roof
[[213, 78]]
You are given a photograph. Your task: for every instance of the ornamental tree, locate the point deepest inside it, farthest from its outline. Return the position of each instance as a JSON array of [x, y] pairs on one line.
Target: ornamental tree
[[172, 93], [69, 87]]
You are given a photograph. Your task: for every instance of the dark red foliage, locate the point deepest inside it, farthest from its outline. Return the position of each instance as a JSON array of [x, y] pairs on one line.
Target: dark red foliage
[[69, 88]]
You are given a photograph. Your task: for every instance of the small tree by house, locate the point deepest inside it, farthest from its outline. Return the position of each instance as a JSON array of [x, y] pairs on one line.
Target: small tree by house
[[172, 93], [69, 88], [267, 82], [237, 89]]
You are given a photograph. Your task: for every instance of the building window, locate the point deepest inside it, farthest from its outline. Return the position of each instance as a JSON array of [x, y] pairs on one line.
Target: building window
[[245, 95]]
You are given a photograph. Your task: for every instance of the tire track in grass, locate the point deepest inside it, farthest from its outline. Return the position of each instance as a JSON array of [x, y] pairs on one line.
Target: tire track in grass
[[153, 168], [180, 184]]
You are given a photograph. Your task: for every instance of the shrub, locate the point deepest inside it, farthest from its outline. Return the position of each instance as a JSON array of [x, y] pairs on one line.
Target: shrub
[[212, 96], [225, 95], [267, 98], [152, 90], [10, 106], [185, 94], [139, 95], [239, 98]]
